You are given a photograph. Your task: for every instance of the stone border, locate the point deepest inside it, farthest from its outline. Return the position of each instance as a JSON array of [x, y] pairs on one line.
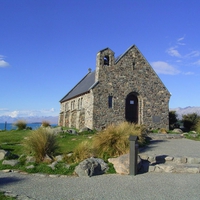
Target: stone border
[[163, 163]]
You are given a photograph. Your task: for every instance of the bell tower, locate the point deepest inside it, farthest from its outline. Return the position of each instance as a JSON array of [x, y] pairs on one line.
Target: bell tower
[[105, 58]]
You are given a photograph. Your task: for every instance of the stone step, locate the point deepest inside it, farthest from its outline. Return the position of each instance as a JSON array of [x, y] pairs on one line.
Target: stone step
[[169, 164], [157, 159], [175, 168]]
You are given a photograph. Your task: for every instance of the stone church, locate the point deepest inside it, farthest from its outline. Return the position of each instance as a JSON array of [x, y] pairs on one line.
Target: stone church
[[124, 88]]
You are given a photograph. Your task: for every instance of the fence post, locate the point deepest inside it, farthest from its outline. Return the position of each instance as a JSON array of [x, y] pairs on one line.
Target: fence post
[[5, 125], [133, 155]]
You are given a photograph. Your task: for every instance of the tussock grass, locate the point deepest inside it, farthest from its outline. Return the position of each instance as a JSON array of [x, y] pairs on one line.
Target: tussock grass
[[113, 141], [41, 143], [20, 124], [45, 124], [83, 151]]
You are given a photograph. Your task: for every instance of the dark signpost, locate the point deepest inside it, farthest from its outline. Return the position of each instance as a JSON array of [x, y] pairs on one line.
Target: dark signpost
[[133, 155]]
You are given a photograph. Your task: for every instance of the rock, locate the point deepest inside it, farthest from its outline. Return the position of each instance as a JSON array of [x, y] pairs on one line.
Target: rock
[[53, 165], [59, 158], [91, 167], [84, 129], [177, 130], [47, 159], [10, 162], [7, 155], [72, 131], [3, 154], [121, 164], [30, 167], [30, 159], [55, 130]]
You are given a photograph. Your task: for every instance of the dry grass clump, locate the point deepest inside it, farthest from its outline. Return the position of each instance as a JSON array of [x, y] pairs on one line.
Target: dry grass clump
[[20, 124], [163, 130], [83, 151], [45, 124], [41, 143], [113, 141]]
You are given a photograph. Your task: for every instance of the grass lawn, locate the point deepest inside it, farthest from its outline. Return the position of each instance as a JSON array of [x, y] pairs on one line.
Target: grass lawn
[[13, 141]]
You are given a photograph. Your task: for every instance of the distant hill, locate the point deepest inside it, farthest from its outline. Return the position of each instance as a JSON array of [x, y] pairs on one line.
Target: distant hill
[[35, 119], [185, 111]]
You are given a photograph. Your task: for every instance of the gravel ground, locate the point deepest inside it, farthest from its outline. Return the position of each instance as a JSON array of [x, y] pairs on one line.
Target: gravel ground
[[173, 147], [108, 187], [113, 187]]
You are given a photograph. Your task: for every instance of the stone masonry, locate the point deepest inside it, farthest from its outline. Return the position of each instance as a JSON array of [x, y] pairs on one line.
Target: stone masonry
[[117, 78]]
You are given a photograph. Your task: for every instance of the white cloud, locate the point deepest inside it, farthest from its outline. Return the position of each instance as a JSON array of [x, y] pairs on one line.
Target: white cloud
[[164, 68], [28, 113], [197, 62], [179, 41], [173, 52], [188, 73], [193, 54], [3, 63]]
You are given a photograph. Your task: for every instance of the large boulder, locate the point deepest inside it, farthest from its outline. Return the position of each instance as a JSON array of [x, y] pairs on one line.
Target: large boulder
[[121, 163], [91, 167]]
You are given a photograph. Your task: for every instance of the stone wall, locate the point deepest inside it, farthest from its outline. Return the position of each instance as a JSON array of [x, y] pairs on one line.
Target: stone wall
[[131, 73], [77, 116]]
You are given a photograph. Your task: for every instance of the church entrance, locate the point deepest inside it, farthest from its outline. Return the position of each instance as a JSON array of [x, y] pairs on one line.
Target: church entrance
[[131, 110]]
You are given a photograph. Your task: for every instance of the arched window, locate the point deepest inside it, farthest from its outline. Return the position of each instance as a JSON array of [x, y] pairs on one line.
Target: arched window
[[106, 60]]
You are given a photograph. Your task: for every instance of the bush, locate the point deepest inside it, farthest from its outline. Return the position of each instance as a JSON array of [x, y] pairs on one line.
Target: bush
[[113, 141], [41, 143], [45, 124], [20, 124], [197, 127], [173, 121], [190, 121]]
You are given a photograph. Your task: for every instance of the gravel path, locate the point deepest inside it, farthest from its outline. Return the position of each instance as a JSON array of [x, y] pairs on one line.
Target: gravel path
[[113, 187], [108, 187], [173, 147]]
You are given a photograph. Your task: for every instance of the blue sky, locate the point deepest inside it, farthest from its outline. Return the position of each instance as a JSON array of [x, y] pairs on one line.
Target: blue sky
[[47, 46]]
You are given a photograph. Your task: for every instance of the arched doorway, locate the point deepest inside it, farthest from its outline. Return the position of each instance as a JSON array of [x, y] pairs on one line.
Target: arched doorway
[[131, 110]]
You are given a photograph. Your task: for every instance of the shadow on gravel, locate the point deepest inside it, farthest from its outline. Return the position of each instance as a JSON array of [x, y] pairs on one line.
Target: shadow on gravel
[[153, 144], [9, 180]]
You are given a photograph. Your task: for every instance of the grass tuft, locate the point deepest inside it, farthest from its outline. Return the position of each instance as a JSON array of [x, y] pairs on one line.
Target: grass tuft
[[41, 143], [20, 124]]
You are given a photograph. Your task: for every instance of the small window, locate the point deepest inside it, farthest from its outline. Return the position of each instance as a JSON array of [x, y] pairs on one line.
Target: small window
[[133, 65], [110, 101], [131, 101], [106, 60]]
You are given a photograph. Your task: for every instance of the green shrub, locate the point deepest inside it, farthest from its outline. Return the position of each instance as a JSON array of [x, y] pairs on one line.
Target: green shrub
[[20, 124], [173, 121], [113, 141], [190, 121], [197, 127], [45, 124], [41, 143]]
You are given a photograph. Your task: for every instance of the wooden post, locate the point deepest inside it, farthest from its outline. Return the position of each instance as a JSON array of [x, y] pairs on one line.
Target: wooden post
[[5, 125]]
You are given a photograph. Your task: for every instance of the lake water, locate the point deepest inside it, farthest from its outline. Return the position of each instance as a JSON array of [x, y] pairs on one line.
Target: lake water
[[9, 126]]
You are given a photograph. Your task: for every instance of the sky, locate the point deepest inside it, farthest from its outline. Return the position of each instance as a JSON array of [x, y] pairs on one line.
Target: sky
[[47, 46]]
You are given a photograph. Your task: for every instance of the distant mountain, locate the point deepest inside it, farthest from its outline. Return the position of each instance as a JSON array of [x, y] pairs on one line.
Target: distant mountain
[[186, 110], [50, 119]]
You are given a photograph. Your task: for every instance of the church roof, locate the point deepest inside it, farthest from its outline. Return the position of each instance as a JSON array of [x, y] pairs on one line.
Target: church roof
[[87, 83]]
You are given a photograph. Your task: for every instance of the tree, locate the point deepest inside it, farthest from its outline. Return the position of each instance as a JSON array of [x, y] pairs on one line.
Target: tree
[[173, 120], [190, 121]]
